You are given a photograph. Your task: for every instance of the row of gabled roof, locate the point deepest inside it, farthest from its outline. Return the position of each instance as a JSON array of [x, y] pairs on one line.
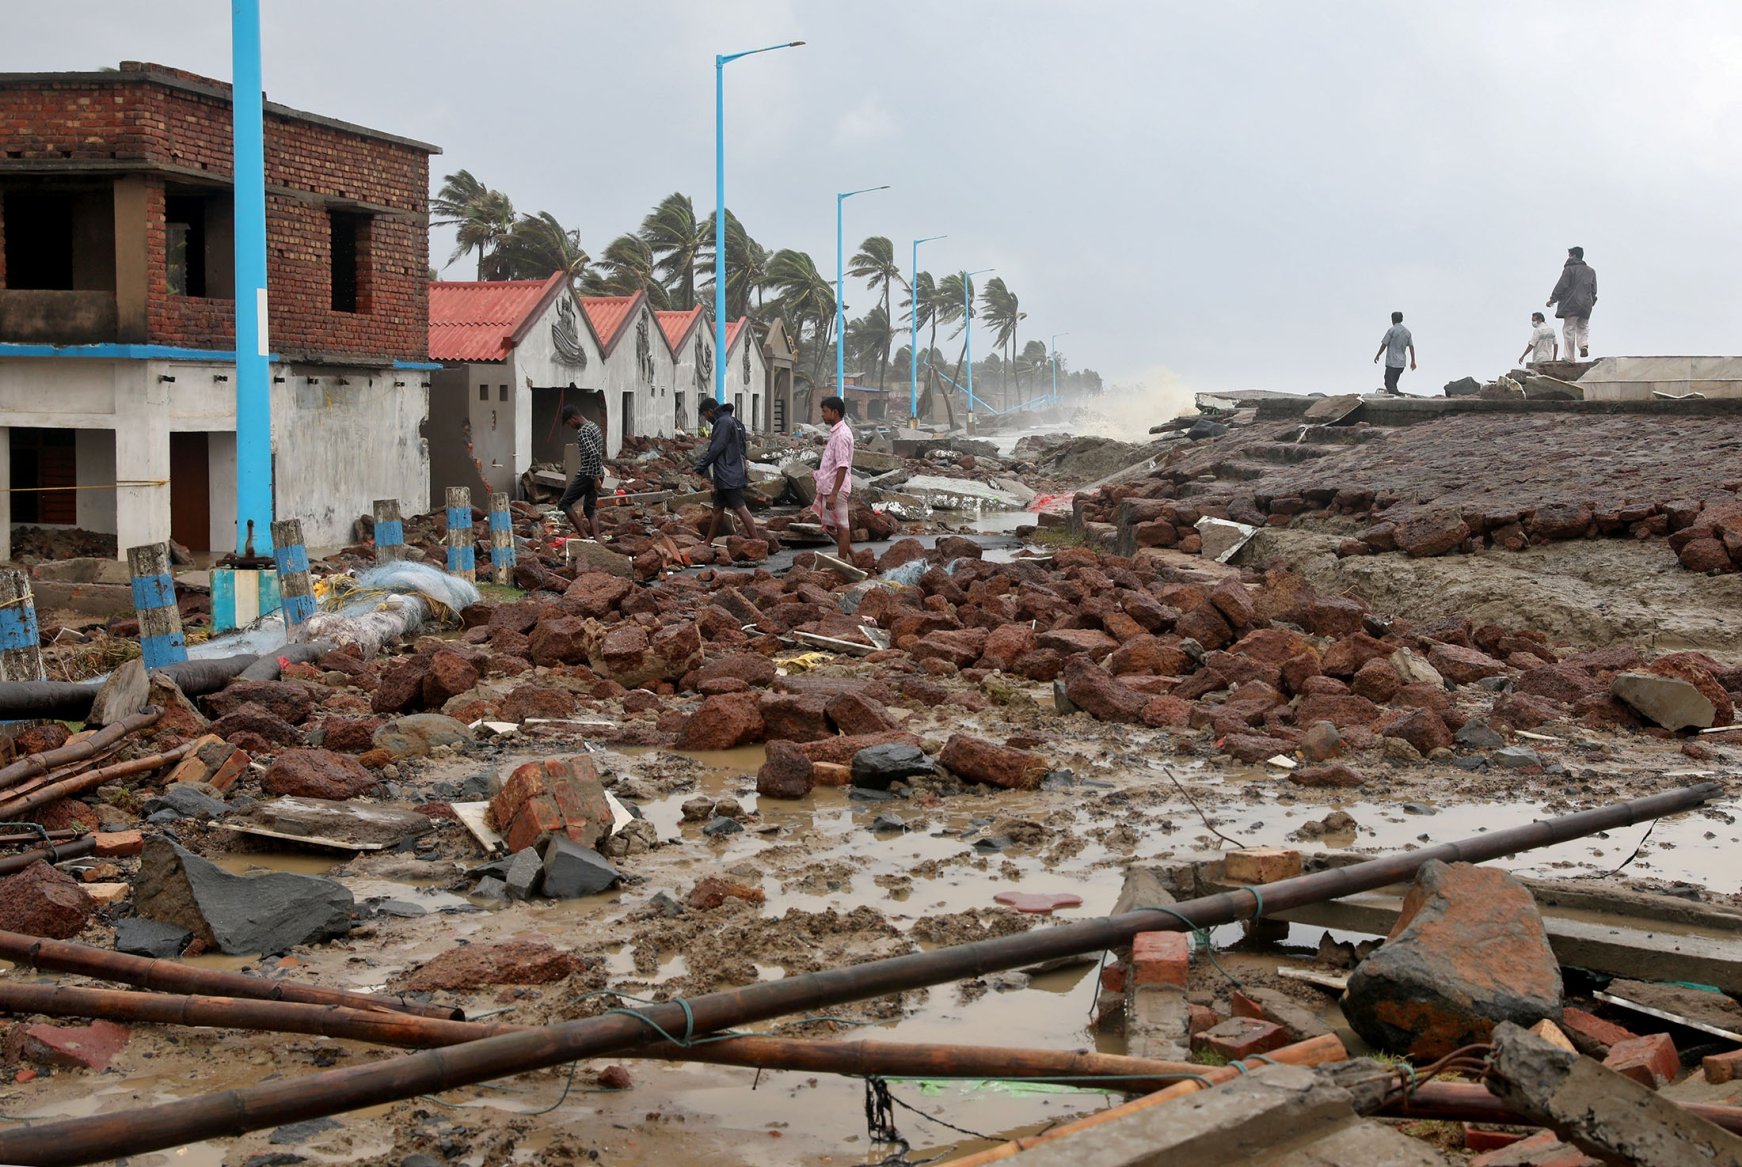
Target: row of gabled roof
[[483, 320]]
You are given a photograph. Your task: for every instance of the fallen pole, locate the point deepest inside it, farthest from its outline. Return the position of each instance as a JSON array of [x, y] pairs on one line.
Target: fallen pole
[[12, 808], [234, 1112], [167, 975], [1315, 1051], [54, 853], [856, 1059], [1470, 1102], [79, 751]]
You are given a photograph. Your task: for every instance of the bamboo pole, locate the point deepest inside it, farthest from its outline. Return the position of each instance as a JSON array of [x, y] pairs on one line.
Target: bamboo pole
[[102, 964], [77, 751], [12, 808], [856, 1059], [236, 1111], [1313, 1052]]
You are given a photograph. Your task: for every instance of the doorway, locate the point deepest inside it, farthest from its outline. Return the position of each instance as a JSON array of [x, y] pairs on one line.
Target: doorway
[[190, 490], [627, 418]]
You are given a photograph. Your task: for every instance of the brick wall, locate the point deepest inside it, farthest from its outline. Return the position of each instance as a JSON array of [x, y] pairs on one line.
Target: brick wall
[[174, 119]]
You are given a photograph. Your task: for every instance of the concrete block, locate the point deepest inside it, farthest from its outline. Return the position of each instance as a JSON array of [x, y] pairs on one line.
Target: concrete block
[[1261, 864], [1240, 1037], [115, 844], [1298, 1021]]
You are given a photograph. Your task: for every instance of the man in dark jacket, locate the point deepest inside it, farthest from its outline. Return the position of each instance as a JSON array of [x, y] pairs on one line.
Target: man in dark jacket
[[1576, 293], [725, 456]]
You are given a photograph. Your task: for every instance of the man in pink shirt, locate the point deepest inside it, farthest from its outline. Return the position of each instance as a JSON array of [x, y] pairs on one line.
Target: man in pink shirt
[[835, 476]]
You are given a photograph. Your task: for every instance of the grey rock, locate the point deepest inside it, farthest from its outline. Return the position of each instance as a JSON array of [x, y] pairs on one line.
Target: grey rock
[[1061, 702], [723, 826], [888, 822], [1516, 758], [238, 913], [1206, 429], [419, 1161], [138, 936], [1668, 701], [1495, 684], [1471, 762], [301, 1132], [491, 888], [525, 871], [1463, 387], [666, 905], [571, 870], [414, 735], [267, 1159], [187, 803], [400, 908], [1418, 808], [1478, 735], [879, 766], [862, 794]]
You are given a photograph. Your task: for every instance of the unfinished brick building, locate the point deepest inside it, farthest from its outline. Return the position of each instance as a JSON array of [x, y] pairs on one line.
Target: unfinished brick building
[[117, 302]]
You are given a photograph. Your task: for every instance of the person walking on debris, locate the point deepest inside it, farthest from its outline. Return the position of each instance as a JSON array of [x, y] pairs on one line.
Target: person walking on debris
[[835, 476], [1541, 346], [725, 457], [580, 501], [1576, 293], [1392, 347]]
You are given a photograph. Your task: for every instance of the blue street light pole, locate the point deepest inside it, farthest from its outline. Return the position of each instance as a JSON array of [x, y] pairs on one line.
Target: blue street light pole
[[253, 376], [720, 63], [968, 325], [1055, 365], [840, 305], [913, 345]]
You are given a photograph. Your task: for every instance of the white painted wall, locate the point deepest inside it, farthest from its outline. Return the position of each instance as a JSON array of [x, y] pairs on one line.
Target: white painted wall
[[336, 447], [692, 375], [621, 373], [753, 389], [95, 454], [536, 364]]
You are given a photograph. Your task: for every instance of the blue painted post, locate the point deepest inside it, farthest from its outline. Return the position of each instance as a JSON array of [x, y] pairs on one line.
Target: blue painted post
[[296, 595], [160, 635], [462, 555], [20, 639], [840, 304], [389, 531], [913, 344], [502, 553], [253, 376]]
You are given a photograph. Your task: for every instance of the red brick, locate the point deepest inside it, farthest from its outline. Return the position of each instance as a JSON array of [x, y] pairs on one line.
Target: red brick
[[1203, 1017], [1650, 1060], [1260, 864], [1721, 1068], [1539, 1150], [1113, 975], [114, 844], [91, 1047], [1593, 1035], [1478, 1139], [1160, 958], [1240, 1037], [537, 818]]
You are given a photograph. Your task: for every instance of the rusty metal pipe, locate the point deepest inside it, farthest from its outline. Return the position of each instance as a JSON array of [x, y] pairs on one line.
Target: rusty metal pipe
[[54, 853], [1471, 1102], [102, 739], [234, 1112], [102, 964], [91, 779]]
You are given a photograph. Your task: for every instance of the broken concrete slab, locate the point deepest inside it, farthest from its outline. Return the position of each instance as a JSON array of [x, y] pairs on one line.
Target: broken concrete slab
[[1668, 701], [238, 914], [138, 936], [1713, 1013], [350, 825], [1599, 1111], [1223, 538], [1331, 410], [572, 870]]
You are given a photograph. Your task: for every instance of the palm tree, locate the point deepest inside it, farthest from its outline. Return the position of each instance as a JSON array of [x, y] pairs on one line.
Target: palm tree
[[1034, 358], [874, 263], [677, 242], [804, 297], [1003, 314], [627, 267], [871, 335], [483, 218], [538, 247], [746, 269]]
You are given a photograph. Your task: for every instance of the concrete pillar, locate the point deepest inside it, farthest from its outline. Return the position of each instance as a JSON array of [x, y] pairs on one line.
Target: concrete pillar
[[160, 635], [132, 258], [389, 531], [141, 453], [502, 554], [20, 641], [462, 555], [295, 594]]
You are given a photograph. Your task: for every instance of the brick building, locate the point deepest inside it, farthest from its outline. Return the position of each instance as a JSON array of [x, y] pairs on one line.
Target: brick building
[[117, 303]]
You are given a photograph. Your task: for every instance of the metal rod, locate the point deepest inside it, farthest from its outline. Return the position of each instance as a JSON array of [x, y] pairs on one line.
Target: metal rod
[[76, 849], [1470, 1102], [234, 1112], [102, 964], [12, 808], [77, 751]]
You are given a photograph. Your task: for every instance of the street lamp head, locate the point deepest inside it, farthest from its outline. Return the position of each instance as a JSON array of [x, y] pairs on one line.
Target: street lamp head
[[793, 44], [928, 239]]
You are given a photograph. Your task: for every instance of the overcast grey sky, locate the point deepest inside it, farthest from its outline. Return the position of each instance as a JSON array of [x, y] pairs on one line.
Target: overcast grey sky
[[1233, 193]]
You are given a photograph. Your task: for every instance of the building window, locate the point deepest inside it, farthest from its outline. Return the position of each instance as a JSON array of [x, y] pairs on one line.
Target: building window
[[59, 240], [502, 393], [350, 261], [483, 393], [43, 459], [186, 252]]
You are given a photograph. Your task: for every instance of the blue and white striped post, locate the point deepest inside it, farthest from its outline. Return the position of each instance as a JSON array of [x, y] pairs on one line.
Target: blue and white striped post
[[502, 555], [160, 635], [20, 639], [389, 531], [296, 597], [462, 555]]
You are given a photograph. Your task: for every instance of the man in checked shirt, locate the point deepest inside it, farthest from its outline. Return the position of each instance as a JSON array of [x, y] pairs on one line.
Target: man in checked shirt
[[835, 477], [580, 502]]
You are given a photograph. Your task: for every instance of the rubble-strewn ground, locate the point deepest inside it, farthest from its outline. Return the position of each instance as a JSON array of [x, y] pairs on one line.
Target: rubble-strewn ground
[[667, 687]]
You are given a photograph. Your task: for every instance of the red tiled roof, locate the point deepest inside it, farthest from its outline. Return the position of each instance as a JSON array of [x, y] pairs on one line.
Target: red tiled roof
[[608, 315], [732, 330], [677, 325], [477, 321]]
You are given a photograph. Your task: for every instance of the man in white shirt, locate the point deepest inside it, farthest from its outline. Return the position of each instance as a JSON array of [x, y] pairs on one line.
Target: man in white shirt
[[1392, 346], [1542, 345]]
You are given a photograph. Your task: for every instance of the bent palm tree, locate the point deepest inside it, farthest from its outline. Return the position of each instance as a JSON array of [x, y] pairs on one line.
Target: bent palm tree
[[874, 263], [870, 336], [1003, 314], [677, 242], [483, 218], [627, 267], [538, 247], [804, 297], [746, 269]]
